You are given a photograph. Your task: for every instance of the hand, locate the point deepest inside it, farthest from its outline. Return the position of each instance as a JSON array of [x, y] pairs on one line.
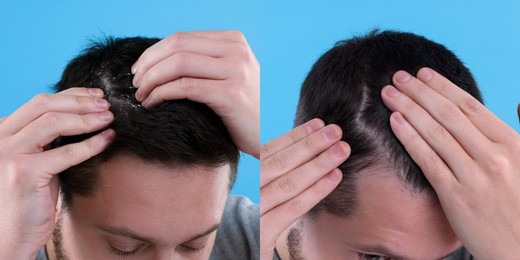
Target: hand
[[216, 68], [298, 170], [28, 180], [471, 158]]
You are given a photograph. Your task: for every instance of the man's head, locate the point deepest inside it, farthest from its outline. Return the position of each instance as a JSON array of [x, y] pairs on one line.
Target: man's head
[[162, 182], [384, 198]]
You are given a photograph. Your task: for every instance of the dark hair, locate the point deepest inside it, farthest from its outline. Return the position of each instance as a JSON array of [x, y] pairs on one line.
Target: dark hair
[[344, 88], [178, 133]]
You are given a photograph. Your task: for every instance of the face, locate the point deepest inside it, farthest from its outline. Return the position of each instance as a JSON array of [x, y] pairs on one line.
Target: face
[[143, 210], [389, 223]]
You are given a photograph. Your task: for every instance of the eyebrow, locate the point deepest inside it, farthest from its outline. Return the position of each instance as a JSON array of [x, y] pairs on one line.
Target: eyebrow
[[126, 232], [381, 250]]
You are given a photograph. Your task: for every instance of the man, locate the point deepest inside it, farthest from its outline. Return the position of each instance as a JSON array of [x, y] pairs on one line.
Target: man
[[146, 144], [442, 180]]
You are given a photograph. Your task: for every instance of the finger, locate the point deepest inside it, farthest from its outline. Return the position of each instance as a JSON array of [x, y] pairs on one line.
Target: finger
[[3, 119], [45, 103], [208, 43], [229, 35], [290, 138], [275, 221], [289, 185], [442, 142], [431, 164], [486, 122], [194, 89], [69, 155], [445, 112], [299, 153], [52, 125], [182, 65], [86, 92]]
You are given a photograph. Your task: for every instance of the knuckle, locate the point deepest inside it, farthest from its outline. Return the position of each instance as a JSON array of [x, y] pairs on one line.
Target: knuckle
[[186, 83], [13, 171], [236, 35], [309, 144], [273, 163], [438, 132], [294, 136], [241, 49], [43, 100], [296, 207], [321, 163], [471, 106], [177, 39], [498, 165], [265, 150], [180, 60], [449, 113], [432, 163], [51, 118], [67, 152], [284, 184], [80, 101], [89, 122]]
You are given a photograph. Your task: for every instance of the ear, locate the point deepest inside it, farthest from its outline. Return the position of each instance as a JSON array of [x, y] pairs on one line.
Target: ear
[[57, 210], [519, 112]]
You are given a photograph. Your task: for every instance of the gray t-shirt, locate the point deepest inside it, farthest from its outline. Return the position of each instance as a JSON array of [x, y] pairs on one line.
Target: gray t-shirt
[[461, 254], [238, 236]]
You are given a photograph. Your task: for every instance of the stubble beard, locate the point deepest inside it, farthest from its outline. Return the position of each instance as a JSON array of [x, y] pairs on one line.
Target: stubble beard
[[57, 241]]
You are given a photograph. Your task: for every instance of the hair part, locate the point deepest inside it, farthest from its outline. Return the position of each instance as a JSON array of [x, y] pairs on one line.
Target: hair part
[[344, 88], [178, 133]]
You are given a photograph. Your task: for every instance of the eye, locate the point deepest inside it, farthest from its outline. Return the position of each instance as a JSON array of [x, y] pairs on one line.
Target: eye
[[122, 253], [193, 250], [373, 257]]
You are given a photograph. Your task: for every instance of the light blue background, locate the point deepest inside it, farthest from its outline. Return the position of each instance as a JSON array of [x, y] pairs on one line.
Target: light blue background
[[40, 37], [484, 34]]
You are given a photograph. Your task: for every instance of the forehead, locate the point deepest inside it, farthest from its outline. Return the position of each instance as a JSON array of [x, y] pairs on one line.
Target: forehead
[[389, 215], [153, 199]]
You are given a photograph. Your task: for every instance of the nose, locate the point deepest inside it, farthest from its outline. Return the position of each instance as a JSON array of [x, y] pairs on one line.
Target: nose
[[166, 254]]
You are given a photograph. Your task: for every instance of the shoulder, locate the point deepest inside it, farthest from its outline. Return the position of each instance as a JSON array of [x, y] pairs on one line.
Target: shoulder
[[239, 234], [461, 254]]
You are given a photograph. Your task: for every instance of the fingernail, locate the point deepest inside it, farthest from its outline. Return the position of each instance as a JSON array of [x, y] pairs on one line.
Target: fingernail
[[338, 150], [108, 134], [313, 126], [399, 118], [146, 103], [331, 133], [134, 68], [138, 96], [136, 81], [402, 76], [106, 116], [391, 91], [101, 103], [425, 74], [333, 175], [95, 92]]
